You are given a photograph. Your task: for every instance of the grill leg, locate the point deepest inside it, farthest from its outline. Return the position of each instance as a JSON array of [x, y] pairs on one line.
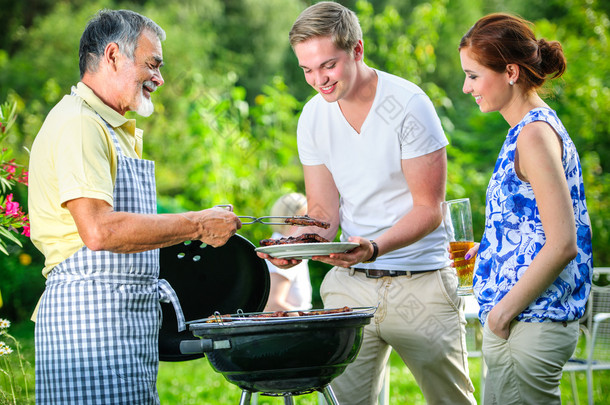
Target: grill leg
[[288, 400], [329, 396], [245, 397]]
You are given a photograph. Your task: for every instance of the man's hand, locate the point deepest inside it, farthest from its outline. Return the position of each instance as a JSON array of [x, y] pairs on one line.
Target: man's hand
[[280, 263], [216, 225], [357, 255]]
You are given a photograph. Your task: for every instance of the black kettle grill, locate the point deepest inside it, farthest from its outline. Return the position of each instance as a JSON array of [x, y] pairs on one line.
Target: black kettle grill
[[279, 356]]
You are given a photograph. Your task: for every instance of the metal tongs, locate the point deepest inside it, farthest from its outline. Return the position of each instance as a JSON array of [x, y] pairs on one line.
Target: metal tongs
[[264, 220], [267, 220]]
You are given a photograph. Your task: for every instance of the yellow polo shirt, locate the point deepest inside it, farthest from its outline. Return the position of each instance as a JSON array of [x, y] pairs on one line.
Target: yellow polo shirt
[[73, 156]]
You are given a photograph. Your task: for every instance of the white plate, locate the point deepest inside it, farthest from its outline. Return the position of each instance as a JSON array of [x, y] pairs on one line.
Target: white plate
[[306, 250]]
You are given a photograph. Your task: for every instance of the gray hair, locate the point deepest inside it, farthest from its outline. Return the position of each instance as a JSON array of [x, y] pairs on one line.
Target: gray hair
[[327, 18], [120, 26]]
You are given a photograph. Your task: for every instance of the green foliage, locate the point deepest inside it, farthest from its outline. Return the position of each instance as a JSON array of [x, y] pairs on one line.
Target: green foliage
[[22, 283], [12, 216], [257, 56], [230, 152], [582, 103], [405, 47]]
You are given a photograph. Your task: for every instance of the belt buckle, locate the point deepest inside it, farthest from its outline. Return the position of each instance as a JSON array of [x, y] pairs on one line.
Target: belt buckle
[[369, 275]]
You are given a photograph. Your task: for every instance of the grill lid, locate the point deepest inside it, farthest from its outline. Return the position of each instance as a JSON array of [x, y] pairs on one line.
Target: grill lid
[[226, 279]]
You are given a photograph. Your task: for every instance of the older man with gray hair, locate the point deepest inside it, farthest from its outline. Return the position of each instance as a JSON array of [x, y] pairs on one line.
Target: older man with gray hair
[[92, 204]]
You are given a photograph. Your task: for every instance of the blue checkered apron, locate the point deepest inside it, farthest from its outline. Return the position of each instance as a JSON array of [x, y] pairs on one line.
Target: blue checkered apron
[[98, 322]]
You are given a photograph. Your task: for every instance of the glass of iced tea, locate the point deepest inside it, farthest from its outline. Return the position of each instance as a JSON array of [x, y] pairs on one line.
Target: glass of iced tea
[[457, 219]]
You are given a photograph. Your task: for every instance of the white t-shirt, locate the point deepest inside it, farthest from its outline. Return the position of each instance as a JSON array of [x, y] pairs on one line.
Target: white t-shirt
[[366, 166], [299, 294]]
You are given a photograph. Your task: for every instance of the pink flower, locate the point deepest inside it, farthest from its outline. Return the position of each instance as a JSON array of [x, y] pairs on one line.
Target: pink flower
[[12, 208], [26, 231], [10, 171], [24, 178], [10, 168]]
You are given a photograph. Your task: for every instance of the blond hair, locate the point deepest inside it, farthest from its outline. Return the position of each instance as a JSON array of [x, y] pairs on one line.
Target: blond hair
[[324, 19]]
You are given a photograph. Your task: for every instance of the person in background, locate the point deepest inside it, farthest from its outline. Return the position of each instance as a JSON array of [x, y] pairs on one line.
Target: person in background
[[92, 206], [290, 288], [375, 165], [534, 265]]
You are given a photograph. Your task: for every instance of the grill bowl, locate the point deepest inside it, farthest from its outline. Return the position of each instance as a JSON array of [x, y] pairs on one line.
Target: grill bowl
[[285, 355]]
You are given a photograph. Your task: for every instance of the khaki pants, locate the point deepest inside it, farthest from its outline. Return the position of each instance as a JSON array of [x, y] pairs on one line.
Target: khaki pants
[[527, 368], [421, 317]]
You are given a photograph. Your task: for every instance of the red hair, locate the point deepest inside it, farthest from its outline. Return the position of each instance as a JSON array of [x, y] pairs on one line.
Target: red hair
[[499, 39]]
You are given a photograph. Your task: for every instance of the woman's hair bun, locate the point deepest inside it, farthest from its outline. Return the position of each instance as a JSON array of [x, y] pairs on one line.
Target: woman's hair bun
[[552, 59]]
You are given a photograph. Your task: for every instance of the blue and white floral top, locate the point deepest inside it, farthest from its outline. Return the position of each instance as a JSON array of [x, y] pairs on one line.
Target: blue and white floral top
[[514, 235]]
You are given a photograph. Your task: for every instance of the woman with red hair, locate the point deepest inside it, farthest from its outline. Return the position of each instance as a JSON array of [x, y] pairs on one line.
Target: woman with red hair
[[534, 265]]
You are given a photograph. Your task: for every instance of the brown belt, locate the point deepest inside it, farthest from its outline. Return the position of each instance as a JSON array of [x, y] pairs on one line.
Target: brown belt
[[374, 273]]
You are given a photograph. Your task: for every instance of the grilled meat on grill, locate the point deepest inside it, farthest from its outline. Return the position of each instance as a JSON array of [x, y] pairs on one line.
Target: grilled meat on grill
[[276, 314], [325, 311], [304, 238]]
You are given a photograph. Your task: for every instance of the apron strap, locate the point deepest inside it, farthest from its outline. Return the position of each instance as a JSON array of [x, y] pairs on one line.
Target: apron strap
[[167, 294]]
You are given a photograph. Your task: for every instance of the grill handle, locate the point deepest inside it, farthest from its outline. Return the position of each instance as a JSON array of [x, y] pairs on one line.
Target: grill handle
[[203, 345]]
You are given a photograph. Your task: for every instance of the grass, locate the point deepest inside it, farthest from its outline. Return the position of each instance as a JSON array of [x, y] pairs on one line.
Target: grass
[[17, 368], [195, 382]]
